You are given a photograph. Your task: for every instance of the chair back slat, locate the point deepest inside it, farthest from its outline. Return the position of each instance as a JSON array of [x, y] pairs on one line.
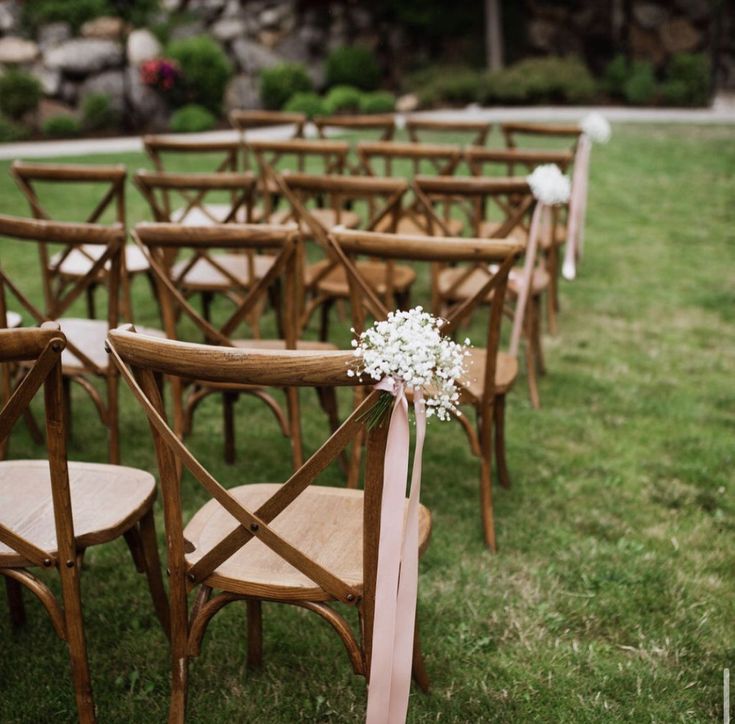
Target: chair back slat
[[563, 131], [417, 125], [377, 158], [513, 161]]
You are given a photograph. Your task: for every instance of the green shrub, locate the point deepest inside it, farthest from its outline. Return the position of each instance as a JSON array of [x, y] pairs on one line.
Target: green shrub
[[688, 80], [342, 99], [616, 73], [377, 102], [61, 126], [192, 119], [74, 12], [11, 131], [354, 66], [98, 113], [205, 68], [20, 93], [448, 84], [282, 82], [640, 87], [308, 103]]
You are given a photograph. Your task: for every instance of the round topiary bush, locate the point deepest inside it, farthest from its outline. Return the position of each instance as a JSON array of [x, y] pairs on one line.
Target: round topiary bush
[[342, 99], [98, 113], [61, 126], [354, 66], [20, 93], [688, 79], [11, 131], [205, 69], [377, 102], [640, 88], [280, 83], [192, 119], [308, 103]]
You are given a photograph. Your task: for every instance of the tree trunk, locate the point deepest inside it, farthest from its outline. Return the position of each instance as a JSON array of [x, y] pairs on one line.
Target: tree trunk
[[493, 35]]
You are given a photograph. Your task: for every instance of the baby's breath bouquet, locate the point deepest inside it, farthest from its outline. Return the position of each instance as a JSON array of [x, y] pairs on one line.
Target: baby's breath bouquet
[[409, 348]]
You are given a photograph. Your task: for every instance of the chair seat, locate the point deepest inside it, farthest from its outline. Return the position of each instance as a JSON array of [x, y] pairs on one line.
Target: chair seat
[[506, 371], [335, 284], [78, 263], [206, 215], [106, 501], [13, 319], [88, 336], [411, 225], [477, 278], [324, 523], [204, 276], [488, 229]]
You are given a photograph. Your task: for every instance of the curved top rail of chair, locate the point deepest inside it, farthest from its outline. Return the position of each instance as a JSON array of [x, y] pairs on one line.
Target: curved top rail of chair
[[252, 119], [207, 363], [455, 124], [346, 184], [26, 343], [373, 120], [271, 236], [408, 150], [425, 248], [196, 179], [543, 129], [472, 184], [299, 145], [64, 232], [188, 143], [69, 171], [520, 155]]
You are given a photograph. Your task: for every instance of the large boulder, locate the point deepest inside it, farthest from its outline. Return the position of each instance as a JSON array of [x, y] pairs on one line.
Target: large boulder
[[149, 108], [53, 34], [110, 83], [142, 46], [84, 56], [104, 27], [17, 51], [679, 36], [650, 16], [227, 29], [50, 79], [251, 57], [9, 15], [242, 92]]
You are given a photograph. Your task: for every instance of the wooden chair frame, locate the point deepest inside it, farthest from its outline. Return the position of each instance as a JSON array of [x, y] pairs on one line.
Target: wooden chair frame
[[140, 360], [247, 121], [490, 404], [42, 349], [385, 123], [480, 129], [443, 158], [512, 130], [111, 239]]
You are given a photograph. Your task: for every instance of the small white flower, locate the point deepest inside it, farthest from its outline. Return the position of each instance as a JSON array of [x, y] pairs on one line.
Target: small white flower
[[549, 185], [597, 127]]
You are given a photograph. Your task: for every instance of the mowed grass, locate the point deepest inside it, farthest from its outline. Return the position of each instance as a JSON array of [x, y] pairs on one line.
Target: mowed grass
[[612, 597]]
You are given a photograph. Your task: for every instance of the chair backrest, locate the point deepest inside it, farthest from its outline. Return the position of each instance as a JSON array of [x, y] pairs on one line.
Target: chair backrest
[[513, 161], [565, 131], [245, 121], [199, 245], [43, 347], [193, 189], [142, 359], [433, 127], [377, 158], [314, 156], [445, 250], [189, 152], [383, 123], [68, 236]]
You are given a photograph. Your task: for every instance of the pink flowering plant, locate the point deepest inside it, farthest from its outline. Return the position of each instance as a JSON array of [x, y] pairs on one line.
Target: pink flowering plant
[[161, 74]]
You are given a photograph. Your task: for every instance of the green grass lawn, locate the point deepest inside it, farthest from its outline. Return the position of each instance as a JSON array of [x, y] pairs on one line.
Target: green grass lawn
[[612, 597]]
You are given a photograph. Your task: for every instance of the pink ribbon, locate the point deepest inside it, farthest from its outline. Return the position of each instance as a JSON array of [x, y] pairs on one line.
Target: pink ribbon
[[398, 564], [577, 208]]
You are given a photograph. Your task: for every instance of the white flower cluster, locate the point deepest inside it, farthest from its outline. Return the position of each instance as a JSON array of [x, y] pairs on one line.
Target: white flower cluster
[[597, 127], [549, 185], [410, 348]]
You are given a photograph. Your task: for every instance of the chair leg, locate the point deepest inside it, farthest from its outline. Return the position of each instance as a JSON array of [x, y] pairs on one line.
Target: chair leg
[[552, 306], [152, 564], [418, 670], [127, 300], [68, 419], [294, 426], [531, 363], [90, 301], [324, 324], [113, 422], [255, 633], [328, 401], [486, 481], [501, 464], [228, 409], [179, 655], [14, 592], [536, 336]]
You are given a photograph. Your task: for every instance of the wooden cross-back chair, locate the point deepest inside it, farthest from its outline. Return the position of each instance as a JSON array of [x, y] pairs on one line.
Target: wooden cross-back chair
[[382, 124], [52, 510], [539, 131], [293, 543], [84, 358], [490, 373], [325, 280], [196, 243], [418, 125], [60, 271], [249, 123], [513, 203]]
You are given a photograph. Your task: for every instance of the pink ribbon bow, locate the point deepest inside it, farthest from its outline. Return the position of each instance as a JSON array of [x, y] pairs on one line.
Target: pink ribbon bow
[[577, 208], [398, 564]]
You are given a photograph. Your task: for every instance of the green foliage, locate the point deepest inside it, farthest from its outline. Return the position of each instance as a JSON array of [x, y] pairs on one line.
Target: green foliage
[[205, 68], [687, 79], [282, 82], [98, 113], [448, 84], [74, 12], [137, 12], [306, 102], [20, 92], [192, 119], [616, 73], [61, 126], [377, 102], [342, 99], [640, 86], [11, 131], [354, 66]]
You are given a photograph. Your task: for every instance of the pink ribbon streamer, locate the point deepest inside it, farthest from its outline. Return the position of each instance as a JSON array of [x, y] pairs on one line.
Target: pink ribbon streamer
[[398, 564], [577, 208]]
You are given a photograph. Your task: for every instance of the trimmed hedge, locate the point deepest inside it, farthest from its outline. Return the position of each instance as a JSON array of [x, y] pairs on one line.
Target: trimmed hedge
[[308, 103], [20, 93], [192, 119], [355, 66], [280, 83]]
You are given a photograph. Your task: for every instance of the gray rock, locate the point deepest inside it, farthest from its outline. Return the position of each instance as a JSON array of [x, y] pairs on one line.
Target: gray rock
[[312, 37], [110, 83], [105, 27], [69, 92], [149, 108], [541, 34], [50, 79], [228, 29], [188, 30], [251, 57], [649, 16], [142, 46], [242, 92], [83, 56], [53, 34], [680, 36], [9, 16], [17, 51], [293, 48], [270, 18]]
